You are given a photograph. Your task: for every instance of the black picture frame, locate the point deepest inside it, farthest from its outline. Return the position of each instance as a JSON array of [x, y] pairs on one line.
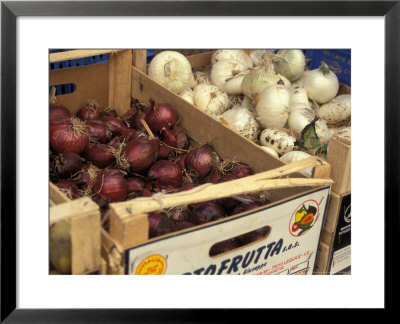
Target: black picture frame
[[10, 10]]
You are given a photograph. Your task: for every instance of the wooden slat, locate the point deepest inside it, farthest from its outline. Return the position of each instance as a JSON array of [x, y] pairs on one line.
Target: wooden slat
[[57, 196], [322, 261], [112, 252], [200, 60], [339, 157], [253, 183], [75, 54], [68, 210], [119, 77], [140, 60]]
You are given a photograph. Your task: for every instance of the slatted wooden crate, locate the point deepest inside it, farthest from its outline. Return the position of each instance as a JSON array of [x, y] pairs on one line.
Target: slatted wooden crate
[[81, 219], [119, 81]]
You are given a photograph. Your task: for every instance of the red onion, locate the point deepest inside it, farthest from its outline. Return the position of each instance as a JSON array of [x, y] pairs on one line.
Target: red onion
[[166, 173], [58, 111], [168, 137], [69, 136], [214, 176], [88, 175], [206, 212], [253, 236], [100, 155], [183, 225], [89, 112], [224, 246], [179, 215], [181, 160], [66, 164], [141, 153], [241, 169], [160, 115], [128, 133], [114, 124], [110, 186], [136, 121], [164, 152], [160, 224], [69, 188], [201, 160], [146, 193], [98, 131], [242, 207], [227, 177], [182, 140], [135, 184]]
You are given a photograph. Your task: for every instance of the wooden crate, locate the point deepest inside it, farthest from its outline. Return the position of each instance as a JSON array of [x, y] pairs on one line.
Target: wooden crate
[[119, 80], [339, 158], [82, 217]]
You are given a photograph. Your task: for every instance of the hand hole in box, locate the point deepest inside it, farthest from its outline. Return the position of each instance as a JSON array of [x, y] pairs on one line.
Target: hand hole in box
[[240, 241], [63, 89]]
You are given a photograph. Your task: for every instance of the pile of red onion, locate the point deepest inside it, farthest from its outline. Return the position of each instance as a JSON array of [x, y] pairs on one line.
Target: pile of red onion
[[145, 151]]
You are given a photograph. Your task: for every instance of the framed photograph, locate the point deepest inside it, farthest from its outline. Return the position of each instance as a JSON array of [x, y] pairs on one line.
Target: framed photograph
[[30, 28]]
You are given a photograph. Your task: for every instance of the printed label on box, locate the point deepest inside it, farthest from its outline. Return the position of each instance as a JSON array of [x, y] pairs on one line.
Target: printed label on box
[[341, 250], [289, 246]]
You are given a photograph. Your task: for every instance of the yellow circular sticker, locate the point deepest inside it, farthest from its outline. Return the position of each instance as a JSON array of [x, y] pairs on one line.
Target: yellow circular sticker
[[152, 265]]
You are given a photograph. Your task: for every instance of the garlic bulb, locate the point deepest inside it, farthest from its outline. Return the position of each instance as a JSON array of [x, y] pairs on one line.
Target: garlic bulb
[[241, 120], [172, 70], [336, 110], [200, 78], [233, 86], [300, 117], [290, 63], [295, 156], [188, 95], [210, 99], [239, 56], [270, 150], [223, 71], [321, 84], [272, 106], [278, 139]]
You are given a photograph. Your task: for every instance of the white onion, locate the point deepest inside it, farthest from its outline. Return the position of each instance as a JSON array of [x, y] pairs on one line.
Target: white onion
[[270, 150], [233, 86], [241, 120], [290, 63], [272, 106], [172, 70], [300, 81], [239, 56], [278, 139], [188, 95], [300, 117], [260, 78], [298, 97], [248, 104], [321, 84], [295, 156], [223, 71], [336, 110], [259, 55], [210, 99]]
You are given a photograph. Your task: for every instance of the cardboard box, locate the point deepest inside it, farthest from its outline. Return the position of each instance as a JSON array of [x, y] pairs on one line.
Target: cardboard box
[[116, 83], [336, 236]]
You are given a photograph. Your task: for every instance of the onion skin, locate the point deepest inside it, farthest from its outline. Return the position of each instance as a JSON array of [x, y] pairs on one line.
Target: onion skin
[[69, 188], [160, 115], [166, 173], [241, 170], [100, 155], [114, 124], [141, 153], [206, 212], [63, 138], [110, 186], [88, 113], [182, 140]]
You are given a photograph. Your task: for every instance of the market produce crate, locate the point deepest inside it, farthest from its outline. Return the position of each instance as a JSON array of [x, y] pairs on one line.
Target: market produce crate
[[288, 190], [78, 226], [336, 236]]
